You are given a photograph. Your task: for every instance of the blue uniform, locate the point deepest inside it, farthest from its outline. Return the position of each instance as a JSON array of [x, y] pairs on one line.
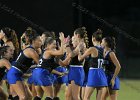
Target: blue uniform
[[58, 79], [76, 72], [21, 65], [42, 74], [30, 79], [30, 71], [5, 76], [42, 77], [109, 70], [96, 75]]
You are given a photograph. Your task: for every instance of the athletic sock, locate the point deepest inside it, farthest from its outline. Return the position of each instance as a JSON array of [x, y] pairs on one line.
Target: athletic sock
[[48, 98], [16, 98], [10, 97], [37, 98], [56, 98]]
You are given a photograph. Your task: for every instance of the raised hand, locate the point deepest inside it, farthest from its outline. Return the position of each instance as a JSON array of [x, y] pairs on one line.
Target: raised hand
[[67, 40], [61, 36], [2, 34]]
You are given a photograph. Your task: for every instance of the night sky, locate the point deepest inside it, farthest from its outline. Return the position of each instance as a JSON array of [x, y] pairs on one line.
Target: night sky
[[60, 15]]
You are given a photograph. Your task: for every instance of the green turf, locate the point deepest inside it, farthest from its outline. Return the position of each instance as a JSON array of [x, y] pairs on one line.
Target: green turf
[[129, 90]]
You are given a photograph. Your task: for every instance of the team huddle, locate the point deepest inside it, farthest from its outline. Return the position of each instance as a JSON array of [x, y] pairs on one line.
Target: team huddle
[[39, 65]]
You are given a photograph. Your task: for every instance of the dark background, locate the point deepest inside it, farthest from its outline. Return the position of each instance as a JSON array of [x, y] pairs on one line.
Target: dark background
[[60, 15]]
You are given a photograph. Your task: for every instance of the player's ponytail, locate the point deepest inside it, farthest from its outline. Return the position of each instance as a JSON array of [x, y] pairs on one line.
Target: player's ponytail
[[98, 35], [110, 42]]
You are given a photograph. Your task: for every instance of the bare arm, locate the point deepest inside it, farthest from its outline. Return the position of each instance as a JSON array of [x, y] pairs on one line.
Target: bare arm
[[23, 45], [74, 52], [86, 53], [56, 52], [56, 72], [116, 63], [5, 63], [66, 61], [31, 53]]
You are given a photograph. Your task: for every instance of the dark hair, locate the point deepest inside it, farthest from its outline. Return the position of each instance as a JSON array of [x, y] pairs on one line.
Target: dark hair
[[83, 34], [53, 34], [12, 36], [81, 31], [31, 34], [8, 33], [49, 40], [48, 34], [98, 35], [110, 42], [3, 49], [28, 31], [15, 43]]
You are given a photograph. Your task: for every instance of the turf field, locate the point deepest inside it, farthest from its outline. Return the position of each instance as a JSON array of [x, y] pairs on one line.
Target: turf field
[[130, 90]]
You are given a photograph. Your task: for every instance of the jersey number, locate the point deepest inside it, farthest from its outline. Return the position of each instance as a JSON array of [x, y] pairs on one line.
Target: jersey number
[[100, 63], [40, 62]]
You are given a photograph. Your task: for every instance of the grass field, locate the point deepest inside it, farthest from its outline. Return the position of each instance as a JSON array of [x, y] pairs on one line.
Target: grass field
[[129, 90]]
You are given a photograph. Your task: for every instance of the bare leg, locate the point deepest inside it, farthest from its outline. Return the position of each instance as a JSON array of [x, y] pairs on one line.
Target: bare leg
[[68, 93], [3, 95], [83, 92], [48, 90], [34, 93], [75, 91], [106, 94], [88, 93], [57, 88], [20, 90], [113, 94], [39, 91], [12, 91], [28, 92], [101, 93]]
